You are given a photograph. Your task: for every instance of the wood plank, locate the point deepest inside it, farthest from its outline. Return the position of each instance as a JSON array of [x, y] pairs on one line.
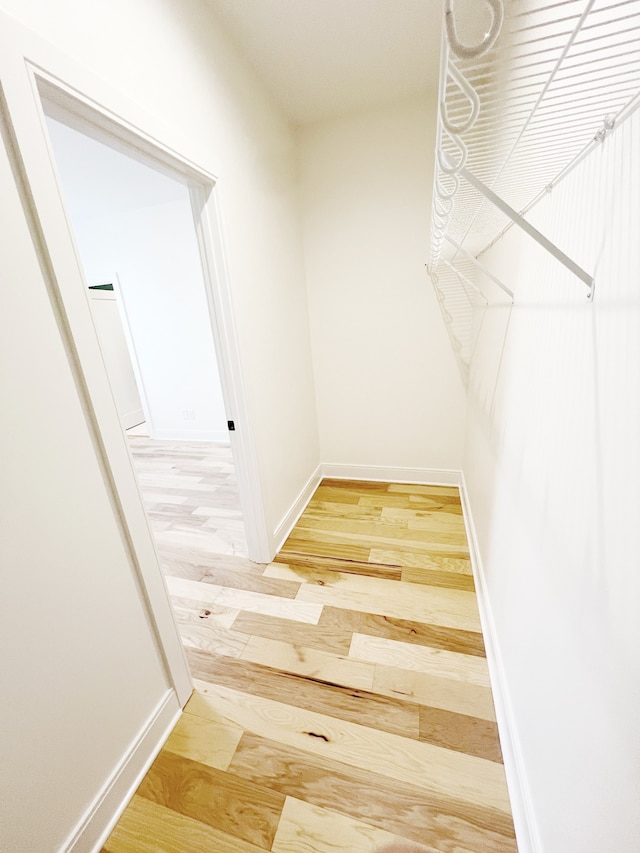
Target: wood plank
[[231, 579], [147, 827], [210, 614], [358, 486], [450, 608], [428, 767], [232, 516], [439, 662], [448, 580], [444, 823], [335, 494], [335, 509], [437, 520], [324, 545], [223, 570], [316, 520], [154, 497], [438, 513], [334, 619], [438, 523], [437, 528], [333, 564], [212, 637], [232, 562], [424, 489], [180, 568], [182, 513], [205, 594], [431, 561], [311, 636], [366, 708], [205, 560], [225, 802], [446, 611], [448, 503], [305, 828], [365, 585], [433, 691], [309, 574], [271, 605], [344, 543], [201, 539], [460, 732], [210, 742], [446, 508], [240, 599], [310, 663]]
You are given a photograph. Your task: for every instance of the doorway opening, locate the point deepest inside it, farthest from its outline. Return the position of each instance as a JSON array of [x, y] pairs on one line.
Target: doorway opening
[[139, 225]]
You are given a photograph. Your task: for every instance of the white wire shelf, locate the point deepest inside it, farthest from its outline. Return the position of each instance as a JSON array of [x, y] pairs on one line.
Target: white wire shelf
[[558, 78]]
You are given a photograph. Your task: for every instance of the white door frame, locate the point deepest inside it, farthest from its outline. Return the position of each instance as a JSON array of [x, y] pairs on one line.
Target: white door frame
[[24, 90]]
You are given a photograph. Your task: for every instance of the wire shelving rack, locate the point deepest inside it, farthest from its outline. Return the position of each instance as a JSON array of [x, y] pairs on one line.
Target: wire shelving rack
[[516, 114]]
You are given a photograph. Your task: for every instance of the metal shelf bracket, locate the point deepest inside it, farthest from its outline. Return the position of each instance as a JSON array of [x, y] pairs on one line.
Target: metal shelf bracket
[[518, 220], [480, 266]]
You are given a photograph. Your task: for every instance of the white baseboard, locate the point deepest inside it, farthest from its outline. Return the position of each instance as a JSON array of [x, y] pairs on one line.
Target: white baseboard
[[385, 474], [131, 419], [297, 508], [519, 793], [102, 815], [212, 436]]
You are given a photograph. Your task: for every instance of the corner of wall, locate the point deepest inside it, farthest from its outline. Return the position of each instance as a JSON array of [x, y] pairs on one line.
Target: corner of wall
[[296, 509]]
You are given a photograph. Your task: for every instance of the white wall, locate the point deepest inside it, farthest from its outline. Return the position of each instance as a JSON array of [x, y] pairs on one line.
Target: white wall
[[137, 222], [185, 83], [553, 469], [388, 391], [81, 673]]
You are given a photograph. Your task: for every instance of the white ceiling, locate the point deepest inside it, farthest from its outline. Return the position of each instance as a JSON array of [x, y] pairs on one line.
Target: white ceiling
[[321, 58]]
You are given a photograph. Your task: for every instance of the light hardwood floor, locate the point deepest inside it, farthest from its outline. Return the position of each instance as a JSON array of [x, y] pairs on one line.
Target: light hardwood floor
[[342, 698], [191, 496]]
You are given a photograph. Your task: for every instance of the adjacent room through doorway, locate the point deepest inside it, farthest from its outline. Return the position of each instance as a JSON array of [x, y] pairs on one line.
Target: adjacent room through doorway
[[136, 238]]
